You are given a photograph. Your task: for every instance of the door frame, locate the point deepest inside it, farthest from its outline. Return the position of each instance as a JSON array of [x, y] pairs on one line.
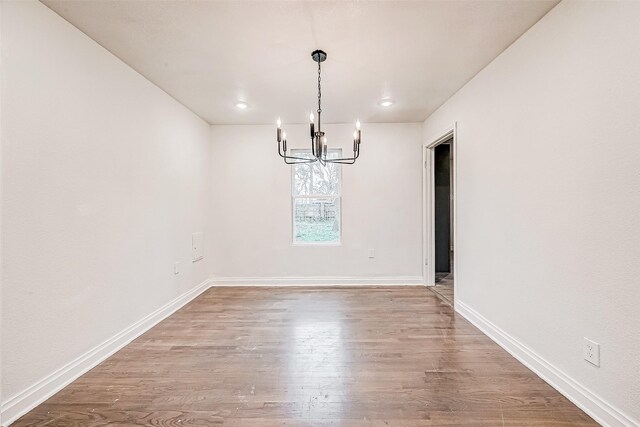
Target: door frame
[[428, 205]]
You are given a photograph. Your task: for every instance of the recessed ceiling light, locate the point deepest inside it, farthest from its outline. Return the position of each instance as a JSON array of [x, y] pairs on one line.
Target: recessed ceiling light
[[241, 105], [386, 102]]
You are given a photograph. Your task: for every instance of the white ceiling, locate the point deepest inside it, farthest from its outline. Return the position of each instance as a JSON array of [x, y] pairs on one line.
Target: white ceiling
[[209, 54]]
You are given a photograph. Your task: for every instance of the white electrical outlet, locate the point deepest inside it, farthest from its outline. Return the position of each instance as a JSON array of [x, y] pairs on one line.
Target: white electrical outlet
[[592, 352], [372, 253], [176, 267]]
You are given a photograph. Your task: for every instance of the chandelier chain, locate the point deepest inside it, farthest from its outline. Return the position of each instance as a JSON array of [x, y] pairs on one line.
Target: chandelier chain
[[319, 90]]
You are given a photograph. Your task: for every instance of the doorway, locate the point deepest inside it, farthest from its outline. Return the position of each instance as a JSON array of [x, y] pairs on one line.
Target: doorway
[[439, 218]]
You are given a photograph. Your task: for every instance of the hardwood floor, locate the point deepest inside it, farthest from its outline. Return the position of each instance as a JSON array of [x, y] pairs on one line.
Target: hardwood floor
[[444, 287], [379, 356]]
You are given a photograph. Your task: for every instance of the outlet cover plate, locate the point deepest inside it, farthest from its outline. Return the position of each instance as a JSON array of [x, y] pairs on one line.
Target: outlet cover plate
[[197, 246], [592, 352]]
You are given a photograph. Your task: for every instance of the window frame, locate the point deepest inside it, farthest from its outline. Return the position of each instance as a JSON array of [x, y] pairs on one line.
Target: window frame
[[298, 151]]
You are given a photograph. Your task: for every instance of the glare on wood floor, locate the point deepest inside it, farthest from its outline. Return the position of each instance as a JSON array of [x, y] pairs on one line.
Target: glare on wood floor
[[360, 356]]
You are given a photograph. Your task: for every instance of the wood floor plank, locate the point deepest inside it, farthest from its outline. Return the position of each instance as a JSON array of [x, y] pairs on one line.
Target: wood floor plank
[[361, 356]]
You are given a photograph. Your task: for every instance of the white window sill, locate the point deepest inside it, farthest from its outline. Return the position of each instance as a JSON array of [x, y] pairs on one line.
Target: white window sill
[[316, 244]]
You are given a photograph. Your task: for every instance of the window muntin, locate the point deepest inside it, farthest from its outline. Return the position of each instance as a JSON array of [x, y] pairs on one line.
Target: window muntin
[[316, 200]]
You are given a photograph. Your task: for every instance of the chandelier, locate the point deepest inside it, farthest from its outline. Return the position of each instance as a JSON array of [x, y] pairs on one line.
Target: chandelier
[[318, 138]]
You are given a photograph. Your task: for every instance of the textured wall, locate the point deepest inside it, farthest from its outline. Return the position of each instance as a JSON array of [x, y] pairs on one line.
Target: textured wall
[[381, 205], [104, 180], [548, 187]]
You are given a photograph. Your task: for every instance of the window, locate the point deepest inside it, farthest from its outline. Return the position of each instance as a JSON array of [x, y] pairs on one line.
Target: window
[[315, 193]]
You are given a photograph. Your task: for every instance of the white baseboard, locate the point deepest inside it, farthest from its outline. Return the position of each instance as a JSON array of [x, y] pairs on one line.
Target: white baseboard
[[318, 281], [21, 403], [597, 408]]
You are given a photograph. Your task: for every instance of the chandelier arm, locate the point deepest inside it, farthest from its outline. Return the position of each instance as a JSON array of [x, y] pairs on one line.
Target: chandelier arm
[[346, 160], [296, 160], [306, 160], [342, 159], [299, 162], [342, 162], [302, 159]]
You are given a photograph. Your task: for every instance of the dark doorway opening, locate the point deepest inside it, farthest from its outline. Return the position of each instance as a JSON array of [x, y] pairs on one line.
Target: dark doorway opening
[[443, 219]]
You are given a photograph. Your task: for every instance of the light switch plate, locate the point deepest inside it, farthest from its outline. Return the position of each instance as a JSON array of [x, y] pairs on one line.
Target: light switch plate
[[197, 246]]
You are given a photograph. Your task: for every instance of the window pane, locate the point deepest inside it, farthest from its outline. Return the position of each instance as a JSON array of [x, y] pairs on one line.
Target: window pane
[[326, 179], [316, 220], [302, 180], [314, 179]]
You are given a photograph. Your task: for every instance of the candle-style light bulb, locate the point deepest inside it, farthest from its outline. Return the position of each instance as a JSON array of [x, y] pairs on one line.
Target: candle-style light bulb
[[358, 124], [312, 127], [279, 130], [284, 136], [355, 134]]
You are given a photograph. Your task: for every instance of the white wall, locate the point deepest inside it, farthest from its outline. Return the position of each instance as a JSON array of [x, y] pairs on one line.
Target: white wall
[[381, 206], [549, 193], [1, 169], [104, 179]]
